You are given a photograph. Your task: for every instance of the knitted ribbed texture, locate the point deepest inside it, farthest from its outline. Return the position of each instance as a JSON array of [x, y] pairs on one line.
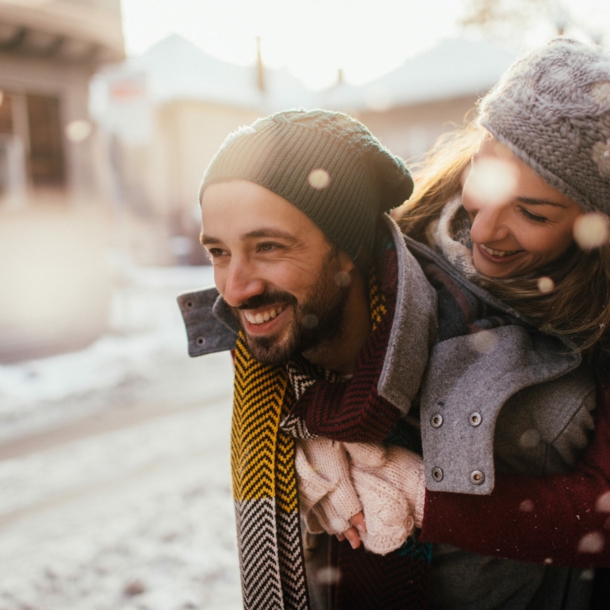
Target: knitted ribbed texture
[[552, 109], [280, 152]]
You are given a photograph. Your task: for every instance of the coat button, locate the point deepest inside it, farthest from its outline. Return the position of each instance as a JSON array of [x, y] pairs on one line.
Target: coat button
[[436, 420], [437, 474], [475, 419], [200, 341], [477, 477]]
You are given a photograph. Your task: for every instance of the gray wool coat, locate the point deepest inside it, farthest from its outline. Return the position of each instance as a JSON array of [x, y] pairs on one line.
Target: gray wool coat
[[509, 398]]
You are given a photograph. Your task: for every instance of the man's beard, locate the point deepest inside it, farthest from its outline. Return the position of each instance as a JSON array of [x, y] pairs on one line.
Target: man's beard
[[318, 320]]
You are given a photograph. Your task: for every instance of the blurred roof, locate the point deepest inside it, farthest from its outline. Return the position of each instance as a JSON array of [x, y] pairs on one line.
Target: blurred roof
[[64, 30], [176, 69], [454, 68]]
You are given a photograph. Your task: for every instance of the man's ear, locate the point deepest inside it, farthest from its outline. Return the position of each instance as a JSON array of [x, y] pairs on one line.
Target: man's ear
[[346, 264]]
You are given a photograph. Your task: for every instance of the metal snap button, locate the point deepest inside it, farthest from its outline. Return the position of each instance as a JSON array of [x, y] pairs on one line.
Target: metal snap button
[[200, 340], [477, 477], [475, 419], [437, 474], [436, 420]]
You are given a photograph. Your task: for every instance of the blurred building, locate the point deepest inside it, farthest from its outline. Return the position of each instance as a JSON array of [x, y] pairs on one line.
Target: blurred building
[[53, 174], [185, 102], [428, 94]]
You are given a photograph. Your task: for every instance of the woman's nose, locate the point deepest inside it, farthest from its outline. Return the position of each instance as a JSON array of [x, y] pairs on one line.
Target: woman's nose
[[489, 223]]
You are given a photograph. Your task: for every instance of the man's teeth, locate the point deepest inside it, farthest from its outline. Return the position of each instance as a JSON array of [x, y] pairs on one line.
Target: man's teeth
[[499, 253], [263, 316]]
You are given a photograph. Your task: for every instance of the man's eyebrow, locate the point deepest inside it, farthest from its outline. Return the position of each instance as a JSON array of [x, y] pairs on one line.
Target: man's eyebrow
[[268, 232], [258, 233], [207, 239], [536, 201]]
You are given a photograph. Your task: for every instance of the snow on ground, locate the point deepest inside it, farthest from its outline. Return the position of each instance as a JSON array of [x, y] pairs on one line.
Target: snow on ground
[[138, 517], [134, 363]]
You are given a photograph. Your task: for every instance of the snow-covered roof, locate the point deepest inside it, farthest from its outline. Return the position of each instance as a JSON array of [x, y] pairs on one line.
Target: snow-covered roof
[[455, 67], [177, 69]]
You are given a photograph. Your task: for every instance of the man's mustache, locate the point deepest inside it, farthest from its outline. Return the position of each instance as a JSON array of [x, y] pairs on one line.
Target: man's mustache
[[268, 298]]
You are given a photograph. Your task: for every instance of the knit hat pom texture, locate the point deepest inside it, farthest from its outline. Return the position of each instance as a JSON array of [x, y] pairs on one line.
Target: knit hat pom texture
[[552, 110]]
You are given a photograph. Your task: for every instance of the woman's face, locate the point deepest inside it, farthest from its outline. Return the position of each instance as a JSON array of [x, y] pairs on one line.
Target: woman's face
[[519, 222]]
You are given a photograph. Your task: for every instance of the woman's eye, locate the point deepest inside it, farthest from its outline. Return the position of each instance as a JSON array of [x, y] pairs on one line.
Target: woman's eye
[[533, 217]]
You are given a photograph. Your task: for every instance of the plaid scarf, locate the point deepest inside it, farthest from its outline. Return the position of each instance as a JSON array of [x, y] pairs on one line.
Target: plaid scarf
[[267, 415]]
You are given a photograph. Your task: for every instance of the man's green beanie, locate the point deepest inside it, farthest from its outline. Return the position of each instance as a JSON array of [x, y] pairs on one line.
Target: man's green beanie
[[325, 163]]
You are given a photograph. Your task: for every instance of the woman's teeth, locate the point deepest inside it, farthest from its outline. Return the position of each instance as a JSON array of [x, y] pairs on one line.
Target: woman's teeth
[[498, 253], [263, 316]]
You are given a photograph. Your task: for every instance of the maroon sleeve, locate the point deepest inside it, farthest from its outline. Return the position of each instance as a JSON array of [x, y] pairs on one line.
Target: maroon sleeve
[[558, 519]]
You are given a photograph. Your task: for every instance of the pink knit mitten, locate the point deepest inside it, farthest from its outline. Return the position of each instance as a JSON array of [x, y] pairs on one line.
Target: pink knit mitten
[[328, 498], [391, 487]]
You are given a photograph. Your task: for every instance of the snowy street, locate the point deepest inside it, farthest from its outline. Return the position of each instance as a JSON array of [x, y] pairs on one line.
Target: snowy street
[[114, 467]]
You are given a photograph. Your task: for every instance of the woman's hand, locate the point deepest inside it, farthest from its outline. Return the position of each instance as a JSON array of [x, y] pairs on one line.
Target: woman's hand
[[354, 533], [328, 498]]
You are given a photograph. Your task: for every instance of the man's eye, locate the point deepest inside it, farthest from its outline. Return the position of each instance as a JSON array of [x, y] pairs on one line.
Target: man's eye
[[533, 217], [215, 252], [267, 247]]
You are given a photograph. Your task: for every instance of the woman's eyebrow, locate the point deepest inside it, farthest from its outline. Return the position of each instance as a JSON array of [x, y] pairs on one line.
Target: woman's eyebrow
[[537, 201]]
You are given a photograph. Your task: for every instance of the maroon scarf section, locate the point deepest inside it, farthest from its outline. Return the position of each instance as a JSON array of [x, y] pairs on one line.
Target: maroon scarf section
[[354, 411]]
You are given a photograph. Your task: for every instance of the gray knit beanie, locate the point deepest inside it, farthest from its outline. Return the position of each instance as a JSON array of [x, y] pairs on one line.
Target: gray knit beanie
[[325, 163], [552, 109]]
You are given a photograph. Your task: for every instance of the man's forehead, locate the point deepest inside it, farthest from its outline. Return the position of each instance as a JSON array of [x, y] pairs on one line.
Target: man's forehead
[[251, 210]]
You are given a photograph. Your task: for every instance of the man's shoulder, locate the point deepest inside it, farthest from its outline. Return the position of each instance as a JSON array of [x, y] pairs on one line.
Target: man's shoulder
[[210, 325]]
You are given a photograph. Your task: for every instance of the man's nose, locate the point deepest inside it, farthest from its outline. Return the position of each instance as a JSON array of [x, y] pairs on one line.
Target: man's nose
[[242, 283]]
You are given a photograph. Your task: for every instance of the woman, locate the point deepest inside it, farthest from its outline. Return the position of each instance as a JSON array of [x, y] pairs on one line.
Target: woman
[[492, 223]]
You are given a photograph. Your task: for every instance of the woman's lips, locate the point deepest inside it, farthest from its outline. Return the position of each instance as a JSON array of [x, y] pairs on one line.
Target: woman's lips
[[498, 256]]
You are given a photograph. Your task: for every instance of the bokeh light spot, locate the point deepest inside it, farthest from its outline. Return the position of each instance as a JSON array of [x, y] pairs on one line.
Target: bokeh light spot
[[309, 320], [587, 575], [318, 179], [529, 439], [527, 506], [593, 542], [378, 98], [601, 156], [343, 279], [591, 230], [328, 575], [548, 561], [603, 503], [483, 342], [492, 180], [79, 130], [545, 284]]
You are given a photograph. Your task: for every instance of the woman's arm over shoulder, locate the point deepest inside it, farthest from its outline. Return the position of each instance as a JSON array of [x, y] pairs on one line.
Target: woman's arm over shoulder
[[558, 519]]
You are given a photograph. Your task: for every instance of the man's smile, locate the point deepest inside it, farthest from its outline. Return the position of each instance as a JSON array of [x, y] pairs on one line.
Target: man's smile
[[263, 316]]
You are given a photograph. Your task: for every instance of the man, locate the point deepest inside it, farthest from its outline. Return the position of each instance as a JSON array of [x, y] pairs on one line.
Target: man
[[330, 318]]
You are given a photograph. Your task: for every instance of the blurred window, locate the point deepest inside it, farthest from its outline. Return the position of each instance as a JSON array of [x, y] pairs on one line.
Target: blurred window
[[47, 166], [6, 115]]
